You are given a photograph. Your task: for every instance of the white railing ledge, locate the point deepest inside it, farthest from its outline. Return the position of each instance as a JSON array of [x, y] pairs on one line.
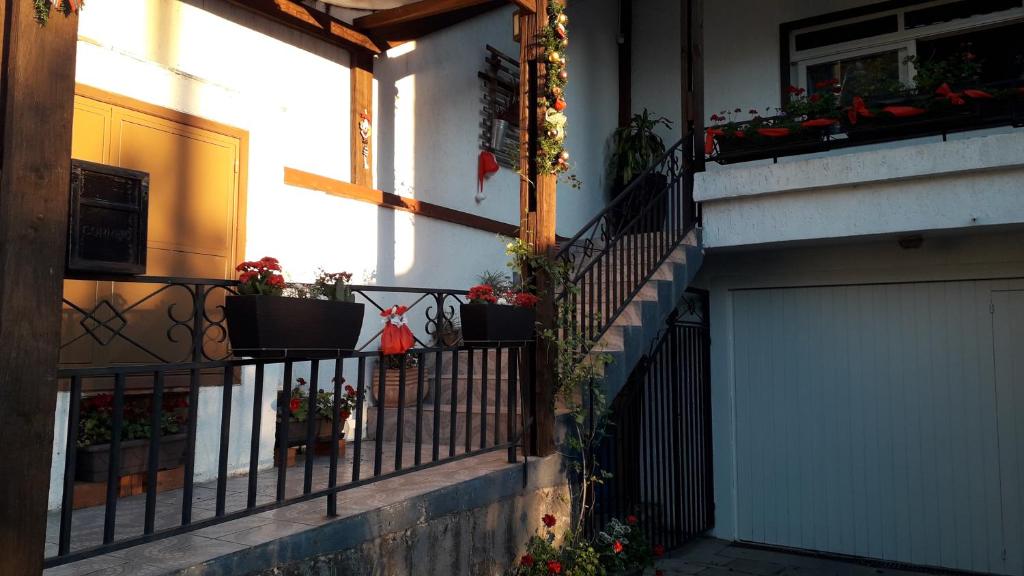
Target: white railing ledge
[[853, 167]]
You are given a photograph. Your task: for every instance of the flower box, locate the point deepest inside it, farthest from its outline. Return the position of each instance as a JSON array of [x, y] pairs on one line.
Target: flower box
[[93, 462], [496, 323], [393, 385], [270, 326], [322, 430]]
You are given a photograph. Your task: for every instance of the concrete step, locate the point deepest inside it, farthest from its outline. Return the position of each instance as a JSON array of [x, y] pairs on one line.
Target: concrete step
[[477, 421]]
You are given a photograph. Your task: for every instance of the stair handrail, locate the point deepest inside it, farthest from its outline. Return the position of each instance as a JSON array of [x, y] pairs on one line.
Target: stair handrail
[[633, 189]]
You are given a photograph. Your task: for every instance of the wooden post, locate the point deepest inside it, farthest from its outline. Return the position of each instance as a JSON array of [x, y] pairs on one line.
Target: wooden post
[[37, 87], [537, 203], [362, 103], [626, 61]]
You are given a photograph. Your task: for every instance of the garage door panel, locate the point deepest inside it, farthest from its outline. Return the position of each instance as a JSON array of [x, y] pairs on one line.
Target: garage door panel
[[864, 422], [1008, 312]]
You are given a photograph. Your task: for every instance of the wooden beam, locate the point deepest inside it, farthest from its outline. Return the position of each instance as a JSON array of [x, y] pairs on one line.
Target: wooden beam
[[319, 24], [537, 204], [625, 40], [404, 15], [526, 6], [362, 104], [309, 181], [37, 88]]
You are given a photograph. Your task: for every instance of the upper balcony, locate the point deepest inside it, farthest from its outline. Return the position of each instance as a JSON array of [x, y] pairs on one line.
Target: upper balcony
[[850, 117]]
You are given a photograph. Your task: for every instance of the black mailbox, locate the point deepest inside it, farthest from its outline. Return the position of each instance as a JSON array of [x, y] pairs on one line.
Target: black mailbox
[[108, 217]]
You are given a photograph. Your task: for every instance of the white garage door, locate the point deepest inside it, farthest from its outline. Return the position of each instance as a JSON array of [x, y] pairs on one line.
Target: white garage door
[[883, 421]]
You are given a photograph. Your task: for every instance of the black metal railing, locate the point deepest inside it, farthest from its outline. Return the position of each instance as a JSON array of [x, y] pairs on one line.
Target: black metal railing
[[448, 401], [619, 250], [658, 437]]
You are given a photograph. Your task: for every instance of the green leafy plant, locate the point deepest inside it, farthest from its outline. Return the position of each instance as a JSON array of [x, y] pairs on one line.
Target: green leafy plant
[[334, 286], [298, 407], [960, 68], [636, 146], [399, 361]]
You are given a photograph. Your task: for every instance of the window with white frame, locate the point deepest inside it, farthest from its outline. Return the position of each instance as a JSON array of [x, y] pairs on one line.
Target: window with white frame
[[874, 52]]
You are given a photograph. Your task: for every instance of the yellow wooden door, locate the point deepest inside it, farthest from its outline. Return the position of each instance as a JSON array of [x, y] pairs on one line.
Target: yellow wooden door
[[193, 228]]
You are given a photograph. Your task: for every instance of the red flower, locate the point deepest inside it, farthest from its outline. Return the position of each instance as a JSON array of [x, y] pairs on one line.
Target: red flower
[[549, 520], [246, 276], [826, 83], [350, 391], [632, 520], [344, 414], [270, 263], [659, 573], [101, 401], [792, 89], [617, 546], [526, 560], [659, 550], [295, 405], [554, 567], [815, 98], [525, 300], [277, 281], [752, 111], [482, 293], [717, 118]]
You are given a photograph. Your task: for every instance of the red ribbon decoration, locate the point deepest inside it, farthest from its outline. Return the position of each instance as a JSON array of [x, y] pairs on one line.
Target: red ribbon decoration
[[709, 138], [774, 132], [858, 109], [978, 94], [904, 111], [819, 122], [947, 92], [396, 337]]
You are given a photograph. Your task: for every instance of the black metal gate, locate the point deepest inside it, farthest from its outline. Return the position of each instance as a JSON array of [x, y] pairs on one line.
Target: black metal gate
[[658, 442]]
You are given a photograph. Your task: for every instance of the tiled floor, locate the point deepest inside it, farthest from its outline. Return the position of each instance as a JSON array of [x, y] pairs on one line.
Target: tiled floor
[[710, 557], [195, 547]]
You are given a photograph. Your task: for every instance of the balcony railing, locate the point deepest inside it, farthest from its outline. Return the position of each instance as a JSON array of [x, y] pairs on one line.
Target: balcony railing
[[449, 401]]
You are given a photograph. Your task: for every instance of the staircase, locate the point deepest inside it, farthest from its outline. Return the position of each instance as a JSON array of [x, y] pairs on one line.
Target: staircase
[[631, 264]]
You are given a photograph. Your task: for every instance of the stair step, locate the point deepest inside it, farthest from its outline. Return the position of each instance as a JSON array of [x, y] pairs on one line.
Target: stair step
[[444, 431]]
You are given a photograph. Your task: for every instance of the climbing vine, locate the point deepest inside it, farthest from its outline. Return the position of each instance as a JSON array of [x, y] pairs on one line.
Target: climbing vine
[[66, 7]]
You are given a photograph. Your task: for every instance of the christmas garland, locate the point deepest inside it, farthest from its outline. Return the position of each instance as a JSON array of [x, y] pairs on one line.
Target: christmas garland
[[65, 6], [554, 39]]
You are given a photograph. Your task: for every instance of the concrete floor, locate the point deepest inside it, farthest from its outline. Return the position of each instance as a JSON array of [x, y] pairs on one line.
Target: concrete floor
[[710, 557]]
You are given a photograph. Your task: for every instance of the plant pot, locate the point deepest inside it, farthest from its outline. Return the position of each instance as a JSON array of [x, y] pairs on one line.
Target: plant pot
[[393, 386], [92, 462], [757, 147], [273, 326], [496, 323], [499, 128], [297, 431]]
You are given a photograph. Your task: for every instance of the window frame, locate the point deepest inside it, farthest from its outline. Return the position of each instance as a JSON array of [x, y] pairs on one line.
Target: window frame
[[793, 63]]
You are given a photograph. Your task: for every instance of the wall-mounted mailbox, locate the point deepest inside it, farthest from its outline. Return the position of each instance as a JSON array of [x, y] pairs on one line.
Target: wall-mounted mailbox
[[108, 216]]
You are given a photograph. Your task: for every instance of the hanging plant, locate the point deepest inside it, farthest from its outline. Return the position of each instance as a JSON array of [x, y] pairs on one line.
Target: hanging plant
[[554, 39], [43, 8]]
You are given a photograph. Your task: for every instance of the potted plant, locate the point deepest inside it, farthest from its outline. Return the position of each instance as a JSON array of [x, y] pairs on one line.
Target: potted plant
[[491, 316], [500, 123], [298, 412], [95, 429], [395, 365], [320, 320], [635, 148]]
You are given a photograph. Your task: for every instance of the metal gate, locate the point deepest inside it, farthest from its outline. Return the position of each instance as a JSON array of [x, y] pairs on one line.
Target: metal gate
[[658, 441]]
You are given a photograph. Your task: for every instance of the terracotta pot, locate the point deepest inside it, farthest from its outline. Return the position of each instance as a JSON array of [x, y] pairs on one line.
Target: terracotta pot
[[392, 386]]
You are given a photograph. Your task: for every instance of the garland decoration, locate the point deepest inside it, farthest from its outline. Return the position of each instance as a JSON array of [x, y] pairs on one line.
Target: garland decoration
[[554, 39], [43, 8]]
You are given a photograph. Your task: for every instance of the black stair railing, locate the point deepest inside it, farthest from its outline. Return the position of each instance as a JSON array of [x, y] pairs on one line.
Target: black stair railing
[[618, 251]]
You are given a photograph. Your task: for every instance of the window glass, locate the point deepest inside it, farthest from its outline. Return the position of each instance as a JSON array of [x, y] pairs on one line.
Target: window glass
[[998, 52], [871, 74]]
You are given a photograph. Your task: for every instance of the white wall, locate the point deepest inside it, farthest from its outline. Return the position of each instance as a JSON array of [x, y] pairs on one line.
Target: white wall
[[943, 256]]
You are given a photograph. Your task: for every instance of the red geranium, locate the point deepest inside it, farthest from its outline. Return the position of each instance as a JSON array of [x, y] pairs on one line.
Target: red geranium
[[526, 560], [295, 404], [344, 414], [482, 294], [617, 546], [554, 567], [659, 550], [549, 520], [632, 520], [525, 300]]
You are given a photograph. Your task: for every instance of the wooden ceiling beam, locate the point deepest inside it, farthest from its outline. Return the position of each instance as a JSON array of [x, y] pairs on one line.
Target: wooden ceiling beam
[[412, 13], [528, 6], [306, 19]]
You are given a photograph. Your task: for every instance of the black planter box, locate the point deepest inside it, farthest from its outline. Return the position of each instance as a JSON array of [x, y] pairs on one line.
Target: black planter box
[[273, 326], [733, 149], [496, 323], [92, 462]]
